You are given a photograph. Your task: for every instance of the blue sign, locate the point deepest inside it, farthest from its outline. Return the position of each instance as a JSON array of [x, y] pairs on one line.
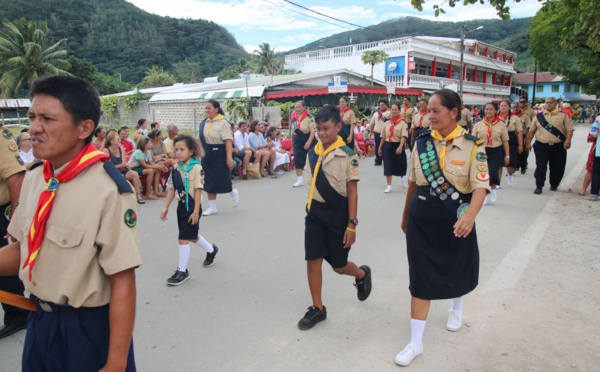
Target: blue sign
[[395, 66]]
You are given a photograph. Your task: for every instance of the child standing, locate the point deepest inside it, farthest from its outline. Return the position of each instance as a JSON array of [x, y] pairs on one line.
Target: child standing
[[330, 224], [185, 184]]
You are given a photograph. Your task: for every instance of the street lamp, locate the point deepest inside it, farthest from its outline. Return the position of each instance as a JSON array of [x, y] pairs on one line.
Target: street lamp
[[462, 56], [246, 77]]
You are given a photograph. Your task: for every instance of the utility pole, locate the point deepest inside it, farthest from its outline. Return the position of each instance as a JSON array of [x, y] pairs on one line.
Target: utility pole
[[462, 64], [534, 83]]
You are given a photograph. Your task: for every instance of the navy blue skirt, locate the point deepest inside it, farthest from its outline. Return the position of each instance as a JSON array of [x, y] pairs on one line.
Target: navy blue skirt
[[393, 164], [495, 159]]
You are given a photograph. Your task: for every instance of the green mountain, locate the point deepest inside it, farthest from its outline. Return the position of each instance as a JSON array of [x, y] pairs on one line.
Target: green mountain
[[512, 34], [119, 38]]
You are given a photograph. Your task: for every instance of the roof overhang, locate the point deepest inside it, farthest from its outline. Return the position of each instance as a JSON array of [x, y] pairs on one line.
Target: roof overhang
[[256, 91], [359, 89]]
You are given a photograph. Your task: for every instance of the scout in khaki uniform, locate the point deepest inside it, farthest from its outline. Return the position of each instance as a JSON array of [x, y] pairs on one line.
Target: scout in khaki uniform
[[303, 137], [11, 178], [78, 264], [526, 114], [494, 133], [348, 118], [420, 121], [514, 127], [330, 223], [377, 122], [466, 119], [553, 131], [447, 185], [391, 149]]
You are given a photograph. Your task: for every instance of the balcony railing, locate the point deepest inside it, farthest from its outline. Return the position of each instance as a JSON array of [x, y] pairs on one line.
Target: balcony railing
[[434, 83]]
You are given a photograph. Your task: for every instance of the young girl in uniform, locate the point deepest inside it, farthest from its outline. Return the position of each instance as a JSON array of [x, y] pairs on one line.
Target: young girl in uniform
[[185, 185]]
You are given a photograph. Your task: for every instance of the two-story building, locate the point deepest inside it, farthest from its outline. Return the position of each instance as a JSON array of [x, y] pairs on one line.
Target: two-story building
[[548, 84], [423, 62]]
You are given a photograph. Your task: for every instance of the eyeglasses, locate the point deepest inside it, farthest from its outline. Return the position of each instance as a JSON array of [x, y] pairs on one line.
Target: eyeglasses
[[522, 101], [25, 139]]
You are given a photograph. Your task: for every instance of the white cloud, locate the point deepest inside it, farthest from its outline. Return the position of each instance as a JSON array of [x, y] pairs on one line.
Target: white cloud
[[250, 48]]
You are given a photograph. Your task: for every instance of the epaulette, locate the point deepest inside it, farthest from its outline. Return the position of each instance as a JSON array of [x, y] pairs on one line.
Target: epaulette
[[36, 165], [113, 172], [424, 133], [478, 141], [348, 150]]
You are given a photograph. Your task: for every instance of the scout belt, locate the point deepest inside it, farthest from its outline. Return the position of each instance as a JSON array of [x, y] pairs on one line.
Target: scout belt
[[550, 128], [452, 199]]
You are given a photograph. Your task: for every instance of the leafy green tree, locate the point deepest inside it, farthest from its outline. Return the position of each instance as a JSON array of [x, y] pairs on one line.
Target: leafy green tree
[[109, 84], [188, 71], [157, 77], [373, 57], [24, 56], [502, 9], [266, 59]]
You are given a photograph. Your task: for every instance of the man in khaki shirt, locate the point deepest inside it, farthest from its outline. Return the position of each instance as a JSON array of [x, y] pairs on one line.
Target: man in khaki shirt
[[550, 149], [77, 263], [526, 114], [466, 118], [11, 178]]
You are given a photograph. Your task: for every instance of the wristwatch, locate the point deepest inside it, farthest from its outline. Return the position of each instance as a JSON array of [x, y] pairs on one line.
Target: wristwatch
[[353, 221]]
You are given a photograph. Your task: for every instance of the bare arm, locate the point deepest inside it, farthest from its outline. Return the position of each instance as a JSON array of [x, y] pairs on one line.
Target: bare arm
[[412, 189], [10, 258], [14, 183], [310, 140], [350, 236], [229, 154], [464, 226]]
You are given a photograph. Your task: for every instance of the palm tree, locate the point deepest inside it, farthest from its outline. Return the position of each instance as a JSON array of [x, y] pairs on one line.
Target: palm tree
[[373, 57], [266, 59], [23, 58]]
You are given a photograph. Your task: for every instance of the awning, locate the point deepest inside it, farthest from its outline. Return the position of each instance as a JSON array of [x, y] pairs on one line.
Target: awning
[[317, 91], [14, 103], [256, 91], [477, 99]]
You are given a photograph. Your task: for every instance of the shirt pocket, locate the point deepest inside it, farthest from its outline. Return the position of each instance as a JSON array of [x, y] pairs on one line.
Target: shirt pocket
[[338, 180], [64, 237], [458, 174]]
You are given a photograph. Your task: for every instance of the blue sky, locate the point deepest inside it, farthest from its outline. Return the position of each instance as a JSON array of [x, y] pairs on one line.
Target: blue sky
[[286, 26]]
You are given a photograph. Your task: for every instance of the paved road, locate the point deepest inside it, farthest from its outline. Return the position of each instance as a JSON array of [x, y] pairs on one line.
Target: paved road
[[535, 309]]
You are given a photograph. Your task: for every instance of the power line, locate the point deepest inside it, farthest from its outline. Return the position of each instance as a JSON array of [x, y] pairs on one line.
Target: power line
[[306, 15]]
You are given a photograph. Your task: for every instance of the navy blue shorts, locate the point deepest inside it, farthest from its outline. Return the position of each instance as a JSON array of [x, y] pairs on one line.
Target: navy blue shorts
[[187, 231], [75, 341], [324, 235]]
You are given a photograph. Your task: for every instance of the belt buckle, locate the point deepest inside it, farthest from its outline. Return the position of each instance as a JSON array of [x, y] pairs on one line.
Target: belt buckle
[[45, 307], [551, 144]]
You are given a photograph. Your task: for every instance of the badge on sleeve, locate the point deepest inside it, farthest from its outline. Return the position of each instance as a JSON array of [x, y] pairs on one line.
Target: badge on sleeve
[[354, 171], [462, 210], [13, 146], [481, 156], [130, 218], [482, 168], [483, 176], [7, 133], [354, 163], [21, 162]]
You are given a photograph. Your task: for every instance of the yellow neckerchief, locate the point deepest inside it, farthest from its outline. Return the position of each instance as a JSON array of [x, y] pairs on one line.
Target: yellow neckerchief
[[208, 126], [457, 132], [322, 152], [553, 112]]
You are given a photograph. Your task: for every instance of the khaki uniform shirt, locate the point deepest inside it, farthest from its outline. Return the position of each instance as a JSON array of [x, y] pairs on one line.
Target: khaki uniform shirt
[[400, 130], [559, 120], [499, 133], [417, 119], [340, 168], [9, 163], [349, 117], [529, 112], [514, 125], [216, 132], [463, 173], [92, 233], [407, 113], [465, 116], [526, 122], [195, 179], [307, 125], [376, 122]]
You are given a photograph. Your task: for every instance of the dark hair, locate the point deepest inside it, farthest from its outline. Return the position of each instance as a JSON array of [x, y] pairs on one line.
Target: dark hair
[[423, 99], [327, 113], [190, 143], [154, 124], [140, 122], [140, 143], [216, 105], [78, 97], [450, 100], [270, 132], [122, 130], [98, 130], [25, 130], [125, 127], [302, 103], [345, 99], [385, 102], [493, 104], [253, 126], [155, 133], [395, 104]]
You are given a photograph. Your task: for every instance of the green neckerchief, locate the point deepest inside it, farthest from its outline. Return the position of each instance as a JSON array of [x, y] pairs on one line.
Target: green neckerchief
[[186, 179]]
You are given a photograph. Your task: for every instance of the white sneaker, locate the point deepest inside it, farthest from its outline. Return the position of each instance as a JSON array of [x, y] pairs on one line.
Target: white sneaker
[[454, 320], [493, 196], [406, 356], [486, 201], [235, 197], [498, 187], [511, 181], [298, 184], [209, 211], [404, 182], [388, 189]]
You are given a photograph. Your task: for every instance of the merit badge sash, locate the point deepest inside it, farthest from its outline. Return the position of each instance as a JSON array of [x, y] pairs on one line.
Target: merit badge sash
[[550, 128]]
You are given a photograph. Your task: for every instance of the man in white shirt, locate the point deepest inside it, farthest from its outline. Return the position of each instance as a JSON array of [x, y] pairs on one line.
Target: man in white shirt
[[244, 151]]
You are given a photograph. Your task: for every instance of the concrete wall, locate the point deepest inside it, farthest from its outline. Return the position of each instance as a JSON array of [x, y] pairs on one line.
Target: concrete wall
[[130, 118], [186, 114]]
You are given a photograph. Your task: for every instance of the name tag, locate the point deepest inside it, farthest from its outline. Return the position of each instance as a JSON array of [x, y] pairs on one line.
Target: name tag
[[458, 162], [422, 197]]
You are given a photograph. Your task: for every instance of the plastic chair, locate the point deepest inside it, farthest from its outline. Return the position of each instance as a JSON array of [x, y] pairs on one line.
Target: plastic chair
[[286, 144]]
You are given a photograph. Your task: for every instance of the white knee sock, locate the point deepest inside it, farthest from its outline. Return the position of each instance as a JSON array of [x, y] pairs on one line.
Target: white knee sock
[[417, 328], [457, 304], [213, 204], [299, 179], [184, 257], [204, 244]]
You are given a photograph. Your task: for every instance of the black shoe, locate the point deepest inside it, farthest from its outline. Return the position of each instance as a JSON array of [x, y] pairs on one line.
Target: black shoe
[[523, 171], [178, 278], [12, 328], [553, 188], [363, 286], [376, 163], [537, 191], [312, 317], [210, 257]]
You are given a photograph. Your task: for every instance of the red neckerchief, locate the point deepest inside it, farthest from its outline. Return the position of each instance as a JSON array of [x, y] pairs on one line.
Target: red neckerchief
[[423, 113], [495, 121], [86, 157], [380, 112], [519, 113], [343, 111], [295, 116], [405, 107], [393, 121]]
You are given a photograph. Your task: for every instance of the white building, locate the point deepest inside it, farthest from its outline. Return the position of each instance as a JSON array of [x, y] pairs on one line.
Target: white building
[[422, 62]]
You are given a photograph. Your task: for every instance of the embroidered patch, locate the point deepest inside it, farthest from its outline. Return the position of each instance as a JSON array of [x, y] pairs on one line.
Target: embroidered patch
[[130, 218], [454, 196], [458, 162], [354, 163], [445, 185], [13, 146], [7, 133], [481, 156], [21, 162], [462, 210], [483, 176], [482, 168], [354, 171], [8, 212]]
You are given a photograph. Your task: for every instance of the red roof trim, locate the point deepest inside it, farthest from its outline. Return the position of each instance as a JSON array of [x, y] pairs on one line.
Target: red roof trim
[[364, 89]]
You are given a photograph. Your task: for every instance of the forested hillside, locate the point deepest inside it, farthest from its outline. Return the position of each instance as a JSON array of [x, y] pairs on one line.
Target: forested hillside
[[119, 38], [511, 34]]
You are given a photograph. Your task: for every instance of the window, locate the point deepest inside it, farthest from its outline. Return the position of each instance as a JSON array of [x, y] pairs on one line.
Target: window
[[576, 88], [555, 88], [539, 88], [567, 88]]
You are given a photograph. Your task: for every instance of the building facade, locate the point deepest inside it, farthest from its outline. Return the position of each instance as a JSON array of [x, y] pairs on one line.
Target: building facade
[[548, 84]]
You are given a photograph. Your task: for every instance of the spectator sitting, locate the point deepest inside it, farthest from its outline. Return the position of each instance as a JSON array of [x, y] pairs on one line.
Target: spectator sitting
[[125, 142], [157, 147], [360, 126], [172, 132], [141, 162], [26, 150], [100, 134], [141, 130], [116, 152], [242, 149], [282, 158], [257, 142]]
